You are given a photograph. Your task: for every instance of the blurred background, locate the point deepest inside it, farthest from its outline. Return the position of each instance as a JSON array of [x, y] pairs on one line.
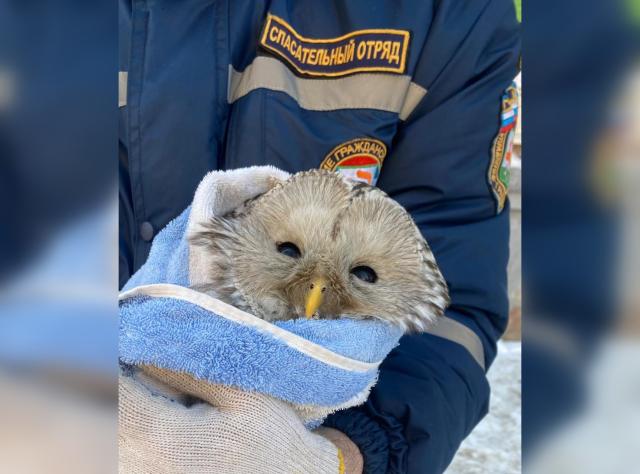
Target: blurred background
[[58, 245], [575, 240]]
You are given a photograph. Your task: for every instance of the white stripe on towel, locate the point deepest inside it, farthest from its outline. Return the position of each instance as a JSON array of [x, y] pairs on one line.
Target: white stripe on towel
[[311, 349]]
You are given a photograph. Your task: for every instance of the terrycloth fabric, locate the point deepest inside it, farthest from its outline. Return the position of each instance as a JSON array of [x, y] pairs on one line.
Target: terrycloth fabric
[[317, 365]]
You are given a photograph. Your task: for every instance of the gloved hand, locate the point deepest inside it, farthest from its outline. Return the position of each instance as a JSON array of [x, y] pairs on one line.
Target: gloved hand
[[226, 430]]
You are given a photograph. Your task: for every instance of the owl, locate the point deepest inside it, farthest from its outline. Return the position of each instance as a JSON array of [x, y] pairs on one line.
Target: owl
[[319, 245]]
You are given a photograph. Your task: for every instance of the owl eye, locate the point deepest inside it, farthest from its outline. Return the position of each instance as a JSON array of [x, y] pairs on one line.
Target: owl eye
[[364, 273], [289, 249]]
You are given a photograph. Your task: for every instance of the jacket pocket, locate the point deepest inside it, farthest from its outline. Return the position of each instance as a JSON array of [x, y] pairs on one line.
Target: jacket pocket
[[295, 122]]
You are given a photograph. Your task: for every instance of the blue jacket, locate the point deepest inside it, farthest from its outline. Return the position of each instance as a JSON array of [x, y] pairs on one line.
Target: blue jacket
[[404, 94]]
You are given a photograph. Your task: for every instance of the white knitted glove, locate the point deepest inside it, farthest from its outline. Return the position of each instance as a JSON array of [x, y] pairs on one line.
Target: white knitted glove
[[233, 432]]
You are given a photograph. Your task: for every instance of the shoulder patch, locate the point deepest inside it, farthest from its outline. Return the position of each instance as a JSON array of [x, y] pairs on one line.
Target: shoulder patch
[[374, 50], [359, 159], [500, 167]]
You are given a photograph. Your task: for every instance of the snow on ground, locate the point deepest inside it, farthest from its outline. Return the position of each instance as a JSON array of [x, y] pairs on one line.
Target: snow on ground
[[494, 446]]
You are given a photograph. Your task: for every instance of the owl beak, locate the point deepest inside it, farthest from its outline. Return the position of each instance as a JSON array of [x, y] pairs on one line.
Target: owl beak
[[314, 296]]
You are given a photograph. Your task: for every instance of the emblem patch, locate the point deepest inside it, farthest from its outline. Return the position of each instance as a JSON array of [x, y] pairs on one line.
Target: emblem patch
[[500, 168], [375, 50], [360, 159]]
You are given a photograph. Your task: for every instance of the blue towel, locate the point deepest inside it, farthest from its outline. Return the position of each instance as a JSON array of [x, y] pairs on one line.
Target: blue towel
[[321, 365]]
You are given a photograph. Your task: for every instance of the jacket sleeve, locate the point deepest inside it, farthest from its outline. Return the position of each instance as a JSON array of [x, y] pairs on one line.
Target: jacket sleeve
[[431, 391]]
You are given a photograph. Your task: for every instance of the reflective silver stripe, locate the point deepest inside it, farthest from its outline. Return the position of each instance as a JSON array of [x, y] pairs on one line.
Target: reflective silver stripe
[[122, 88], [388, 92], [452, 330], [411, 101]]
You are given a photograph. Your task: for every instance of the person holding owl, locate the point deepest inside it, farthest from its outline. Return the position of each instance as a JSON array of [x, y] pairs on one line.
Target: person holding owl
[[413, 98]]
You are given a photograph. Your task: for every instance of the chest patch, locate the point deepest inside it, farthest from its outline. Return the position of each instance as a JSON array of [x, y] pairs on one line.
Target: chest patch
[[500, 168], [359, 159], [375, 50]]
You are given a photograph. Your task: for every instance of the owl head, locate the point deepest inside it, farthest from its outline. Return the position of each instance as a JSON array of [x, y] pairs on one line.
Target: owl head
[[318, 244]]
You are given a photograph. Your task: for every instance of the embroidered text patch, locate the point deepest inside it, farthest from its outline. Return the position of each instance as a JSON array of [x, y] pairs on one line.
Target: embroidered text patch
[[360, 159], [375, 50]]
